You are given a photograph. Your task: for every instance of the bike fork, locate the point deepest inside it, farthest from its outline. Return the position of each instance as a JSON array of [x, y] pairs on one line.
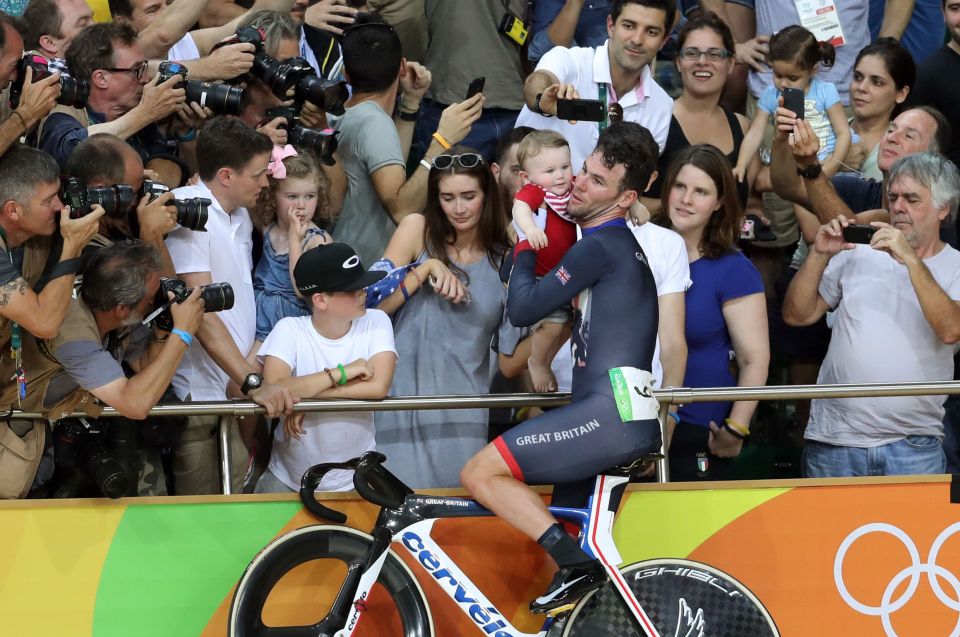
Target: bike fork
[[355, 593], [599, 538]]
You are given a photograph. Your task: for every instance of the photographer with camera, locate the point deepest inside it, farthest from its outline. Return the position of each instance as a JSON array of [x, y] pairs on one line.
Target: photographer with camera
[[233, 160], [38, 98], [29, 182], [102, 332], [104, 161], [121, 101]]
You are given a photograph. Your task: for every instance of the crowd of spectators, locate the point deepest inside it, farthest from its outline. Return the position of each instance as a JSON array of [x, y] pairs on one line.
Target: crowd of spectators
[[278, 200]]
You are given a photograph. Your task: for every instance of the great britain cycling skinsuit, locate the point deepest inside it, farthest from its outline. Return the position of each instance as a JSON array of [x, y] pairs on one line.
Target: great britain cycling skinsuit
[[614, 297]]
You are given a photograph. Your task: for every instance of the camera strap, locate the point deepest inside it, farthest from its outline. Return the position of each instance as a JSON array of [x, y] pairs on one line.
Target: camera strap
[[16, 341]]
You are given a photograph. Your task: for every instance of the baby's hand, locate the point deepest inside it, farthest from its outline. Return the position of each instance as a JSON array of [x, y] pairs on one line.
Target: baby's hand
[[639, 213], [537, 239]]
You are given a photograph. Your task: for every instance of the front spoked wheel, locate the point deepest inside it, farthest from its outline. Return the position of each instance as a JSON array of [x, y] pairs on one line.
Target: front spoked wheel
[[681, 597], [289, 588]]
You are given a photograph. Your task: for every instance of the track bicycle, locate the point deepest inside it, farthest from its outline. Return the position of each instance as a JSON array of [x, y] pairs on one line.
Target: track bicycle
[[662, 597]]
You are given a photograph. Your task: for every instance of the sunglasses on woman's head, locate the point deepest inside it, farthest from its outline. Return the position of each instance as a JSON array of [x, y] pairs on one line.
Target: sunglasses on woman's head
[[465, 160]]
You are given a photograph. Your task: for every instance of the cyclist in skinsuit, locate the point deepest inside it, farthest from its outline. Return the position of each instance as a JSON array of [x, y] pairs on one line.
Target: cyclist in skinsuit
[[606, 276]]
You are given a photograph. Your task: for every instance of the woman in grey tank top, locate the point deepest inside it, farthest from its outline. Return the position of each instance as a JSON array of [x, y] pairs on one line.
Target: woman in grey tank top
[[448, 313]]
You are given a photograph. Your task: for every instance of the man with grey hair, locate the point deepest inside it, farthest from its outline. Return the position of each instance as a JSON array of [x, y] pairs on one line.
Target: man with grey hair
[[29, 206], [83, 365], [103, 328], [897, 303]]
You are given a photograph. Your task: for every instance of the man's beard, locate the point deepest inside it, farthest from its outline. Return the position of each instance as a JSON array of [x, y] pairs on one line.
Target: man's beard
[[135, 318], [587, 215]]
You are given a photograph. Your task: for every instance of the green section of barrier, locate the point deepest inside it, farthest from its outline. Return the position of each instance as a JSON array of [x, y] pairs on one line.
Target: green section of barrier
[[159, 551], [640, 535]]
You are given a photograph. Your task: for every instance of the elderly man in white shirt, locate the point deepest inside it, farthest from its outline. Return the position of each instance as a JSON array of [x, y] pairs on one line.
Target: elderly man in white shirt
[[617, 72]]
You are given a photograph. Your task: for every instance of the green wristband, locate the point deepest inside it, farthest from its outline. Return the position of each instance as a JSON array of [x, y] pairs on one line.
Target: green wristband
[[343, 374]]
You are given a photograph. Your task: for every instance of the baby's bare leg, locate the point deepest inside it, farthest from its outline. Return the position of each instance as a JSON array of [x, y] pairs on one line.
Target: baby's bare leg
[[547, 340]]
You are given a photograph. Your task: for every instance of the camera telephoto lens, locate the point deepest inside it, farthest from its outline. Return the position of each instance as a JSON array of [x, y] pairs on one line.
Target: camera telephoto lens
[[217, 297], [107, 472], [327, 94], [73, 92], [117, 201], [220, 98], [323, 143], [192, 213]]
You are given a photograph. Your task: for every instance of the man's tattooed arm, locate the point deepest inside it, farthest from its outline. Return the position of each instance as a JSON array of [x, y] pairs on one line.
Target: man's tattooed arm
[[17, 286]]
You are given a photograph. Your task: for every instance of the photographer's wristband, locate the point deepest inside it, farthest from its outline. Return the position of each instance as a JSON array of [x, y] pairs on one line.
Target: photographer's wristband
[[189, 136], [186, 338]]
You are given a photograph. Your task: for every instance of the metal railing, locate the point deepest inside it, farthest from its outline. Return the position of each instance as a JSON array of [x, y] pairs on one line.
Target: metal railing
[[227, 410]]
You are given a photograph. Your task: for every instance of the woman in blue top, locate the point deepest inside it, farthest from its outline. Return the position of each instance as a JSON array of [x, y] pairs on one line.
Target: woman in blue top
[[726, 311]]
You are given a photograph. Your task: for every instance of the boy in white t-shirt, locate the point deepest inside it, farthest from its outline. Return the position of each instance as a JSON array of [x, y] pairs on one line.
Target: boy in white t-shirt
[[342, 350]]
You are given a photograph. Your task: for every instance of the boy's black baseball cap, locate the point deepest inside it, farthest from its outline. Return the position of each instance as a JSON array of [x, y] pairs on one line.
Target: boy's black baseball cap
[[332, 267]]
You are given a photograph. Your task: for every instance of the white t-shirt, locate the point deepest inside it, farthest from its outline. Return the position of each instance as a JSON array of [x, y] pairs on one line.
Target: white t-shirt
[[881, 336], [225, 250], [667, 256], [328, 436], [184, 50], [586, 68]]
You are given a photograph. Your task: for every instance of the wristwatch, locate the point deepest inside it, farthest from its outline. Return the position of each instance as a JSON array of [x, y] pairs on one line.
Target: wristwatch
[[810, 172], [536, 106], [253, 381]]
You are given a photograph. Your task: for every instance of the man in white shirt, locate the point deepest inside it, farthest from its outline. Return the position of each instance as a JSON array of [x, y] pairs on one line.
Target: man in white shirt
[[897, 304], [232, 160], [617, 72]]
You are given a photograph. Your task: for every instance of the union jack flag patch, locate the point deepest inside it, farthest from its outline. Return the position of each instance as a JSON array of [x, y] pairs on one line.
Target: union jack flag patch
[[562, 275]]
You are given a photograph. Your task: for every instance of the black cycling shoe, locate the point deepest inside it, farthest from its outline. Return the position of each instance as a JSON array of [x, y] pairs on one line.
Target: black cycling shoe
[[570, 584]]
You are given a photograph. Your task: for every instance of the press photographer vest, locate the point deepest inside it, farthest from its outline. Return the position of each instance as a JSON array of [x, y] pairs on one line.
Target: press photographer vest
[[79, 114], [35, 253], [41, 366]]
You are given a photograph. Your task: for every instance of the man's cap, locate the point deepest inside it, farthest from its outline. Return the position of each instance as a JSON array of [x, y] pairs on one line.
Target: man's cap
[[332, 267]]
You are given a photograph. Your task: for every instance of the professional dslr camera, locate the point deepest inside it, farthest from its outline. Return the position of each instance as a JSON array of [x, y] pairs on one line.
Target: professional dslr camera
[[117, 201], [95, 450], [73, 92], [294, 74], [191, 213], [220, 98], [321, 142], [216, 298]]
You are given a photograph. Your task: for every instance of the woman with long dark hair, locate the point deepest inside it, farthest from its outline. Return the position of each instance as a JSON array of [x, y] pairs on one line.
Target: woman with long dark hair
[[449, 310], [726, 311]]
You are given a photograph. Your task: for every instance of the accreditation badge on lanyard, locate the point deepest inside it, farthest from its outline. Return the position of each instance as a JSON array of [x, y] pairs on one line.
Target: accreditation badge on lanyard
[[821, 18]]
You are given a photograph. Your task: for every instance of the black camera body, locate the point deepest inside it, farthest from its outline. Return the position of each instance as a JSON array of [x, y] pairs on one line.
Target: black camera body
[[191, 213], [98, 451], [216, 298], [220, 98], [117, 200], [73, 92], [322, 142]]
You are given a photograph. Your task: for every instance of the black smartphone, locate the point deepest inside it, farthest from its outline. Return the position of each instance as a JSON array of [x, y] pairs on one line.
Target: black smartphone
[[793, 101], [476, 86], [855, 233], [581, 110]]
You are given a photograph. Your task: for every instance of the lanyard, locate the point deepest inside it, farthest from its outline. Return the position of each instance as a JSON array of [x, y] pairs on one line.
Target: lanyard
[[619, 222], [16, 341]]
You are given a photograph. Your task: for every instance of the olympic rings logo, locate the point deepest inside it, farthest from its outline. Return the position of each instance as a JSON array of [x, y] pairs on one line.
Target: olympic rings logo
[[888, 606]]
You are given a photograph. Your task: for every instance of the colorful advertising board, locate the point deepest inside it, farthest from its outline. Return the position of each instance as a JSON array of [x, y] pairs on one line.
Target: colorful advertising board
[[859, 557]]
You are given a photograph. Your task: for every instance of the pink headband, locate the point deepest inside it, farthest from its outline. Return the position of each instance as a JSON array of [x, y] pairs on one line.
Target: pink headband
[[275, 168]]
